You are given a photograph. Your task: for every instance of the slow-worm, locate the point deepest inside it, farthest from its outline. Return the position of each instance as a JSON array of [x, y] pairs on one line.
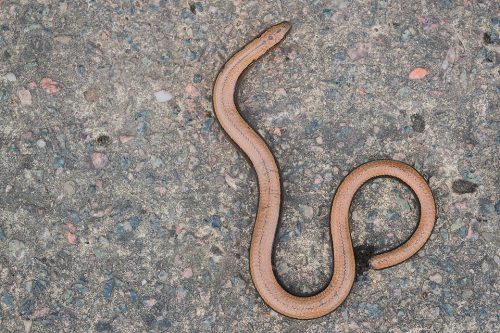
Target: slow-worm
[[269, 184]]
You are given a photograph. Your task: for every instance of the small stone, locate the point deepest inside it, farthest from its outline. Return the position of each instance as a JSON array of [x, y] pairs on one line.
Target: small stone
[[24, 96], [162, 96], [120, 229], [90, 95], [463, 78], [166, 56], [103, 241], [462, 186], [81, 69], [142, 127], [327, 12], [150, 302], [231, 182], [4, 95], [101, 213], [125, 162], [373, 310], [214, 221], [97, 252], [188, 273], [8, 300], [70, 237], [125, 138], [146, 61], [133, 223], [418, 123], [280, 92], [58, 162], [467, 294], [133, 296], [404, 91], [437, 278], [157, 163], [392, 215], [99, 160], [196, 7], [284, 236], [191, 91], [298, 229], [41, 143], [63, 39], [197, 78], [459, 223], [434, 312], [190, 55], [108, 288], [103, 327], [69, 188], [39, 286], [486, 206], [307, 211], [17, 249], [49, 85], [27, 307], [418, 73], [28, 324], [312, 127], [358, 51], [193, 163], [448, 309], [485, 267], [162, 276], [187, 15], [10, 77], [497, 260], [70, 226], [449, 59]]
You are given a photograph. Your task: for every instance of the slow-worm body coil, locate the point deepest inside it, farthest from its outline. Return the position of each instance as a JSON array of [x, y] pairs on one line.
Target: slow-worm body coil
[[268, 211]]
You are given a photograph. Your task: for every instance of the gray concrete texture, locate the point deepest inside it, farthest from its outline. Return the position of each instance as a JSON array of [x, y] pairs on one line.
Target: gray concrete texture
[[125, 208]]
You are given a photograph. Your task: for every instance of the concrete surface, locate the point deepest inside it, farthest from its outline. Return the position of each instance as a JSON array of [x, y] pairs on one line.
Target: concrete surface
[[124, 207]]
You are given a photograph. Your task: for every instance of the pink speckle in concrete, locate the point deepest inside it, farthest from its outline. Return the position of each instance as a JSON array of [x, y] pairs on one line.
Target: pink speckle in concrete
[[71, 227], [418, 73], [151, 302], [103, 212], [40, 312], [358, 51], [191, 91], [99, 160], [49, 85], [126, 138], [70, 237], [188, 273], [24, 96]]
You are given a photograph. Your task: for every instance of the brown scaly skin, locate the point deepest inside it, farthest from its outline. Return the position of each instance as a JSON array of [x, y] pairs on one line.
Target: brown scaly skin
[[268, 212]]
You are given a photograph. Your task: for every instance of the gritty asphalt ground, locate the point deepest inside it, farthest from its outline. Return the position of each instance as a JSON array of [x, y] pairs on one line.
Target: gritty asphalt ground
[[125, 208]]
